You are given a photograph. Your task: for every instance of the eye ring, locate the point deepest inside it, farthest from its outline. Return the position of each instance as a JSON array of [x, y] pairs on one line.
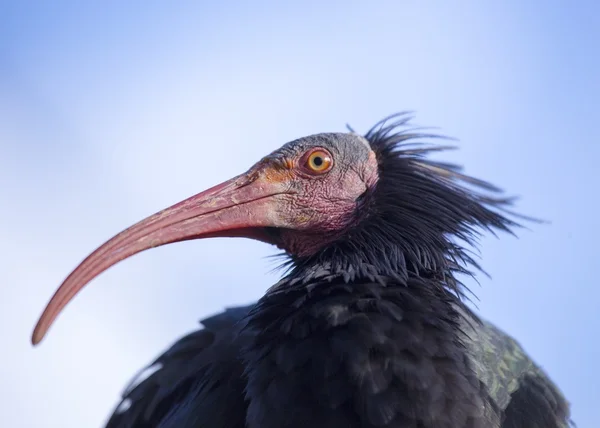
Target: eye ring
[[318, 161]]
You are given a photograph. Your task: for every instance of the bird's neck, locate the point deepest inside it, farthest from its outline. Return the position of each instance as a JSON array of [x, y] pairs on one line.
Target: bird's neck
[[377, 251], [359, 354]]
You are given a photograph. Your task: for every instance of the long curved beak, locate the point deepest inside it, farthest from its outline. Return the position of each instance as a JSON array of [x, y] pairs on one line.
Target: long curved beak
[[239, 207]]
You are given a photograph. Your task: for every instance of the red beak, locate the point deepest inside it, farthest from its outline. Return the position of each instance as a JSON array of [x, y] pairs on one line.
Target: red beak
[[236, 208]]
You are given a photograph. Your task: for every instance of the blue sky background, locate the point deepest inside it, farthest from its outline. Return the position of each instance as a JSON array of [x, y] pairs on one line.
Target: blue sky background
[[110, 111]]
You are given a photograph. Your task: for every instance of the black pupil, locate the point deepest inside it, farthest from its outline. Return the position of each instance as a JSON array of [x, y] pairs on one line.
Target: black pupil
[[318, 160]]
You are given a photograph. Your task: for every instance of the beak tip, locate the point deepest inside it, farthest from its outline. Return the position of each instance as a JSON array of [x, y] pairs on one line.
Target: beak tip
[[36, 337]]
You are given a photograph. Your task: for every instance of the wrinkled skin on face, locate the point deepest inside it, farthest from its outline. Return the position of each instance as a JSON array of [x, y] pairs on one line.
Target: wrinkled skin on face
[[300, 198], [321, 207]]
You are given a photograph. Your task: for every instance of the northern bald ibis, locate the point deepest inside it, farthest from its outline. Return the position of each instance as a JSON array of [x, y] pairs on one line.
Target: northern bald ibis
[[369, 326]]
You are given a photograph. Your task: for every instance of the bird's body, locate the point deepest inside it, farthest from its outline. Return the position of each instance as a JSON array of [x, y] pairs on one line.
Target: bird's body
[[368, 328], [521, 394]]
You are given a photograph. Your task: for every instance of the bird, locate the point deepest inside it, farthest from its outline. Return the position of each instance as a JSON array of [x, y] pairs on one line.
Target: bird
[[369, 325]]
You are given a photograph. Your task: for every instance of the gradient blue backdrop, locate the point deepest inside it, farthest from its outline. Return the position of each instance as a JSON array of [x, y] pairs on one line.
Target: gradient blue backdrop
[[110, 111]]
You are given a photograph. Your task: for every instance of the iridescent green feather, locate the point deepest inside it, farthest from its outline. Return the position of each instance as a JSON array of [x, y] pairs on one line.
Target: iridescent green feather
[[501, 363]]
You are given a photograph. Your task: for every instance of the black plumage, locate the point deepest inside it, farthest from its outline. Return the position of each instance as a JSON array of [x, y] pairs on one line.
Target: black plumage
[[371, 329]]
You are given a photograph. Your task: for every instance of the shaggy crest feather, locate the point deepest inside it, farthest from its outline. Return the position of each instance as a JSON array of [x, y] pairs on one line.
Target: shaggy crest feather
[[423, 227]]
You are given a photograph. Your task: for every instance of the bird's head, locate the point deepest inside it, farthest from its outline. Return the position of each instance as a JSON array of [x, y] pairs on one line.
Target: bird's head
[[308, 193], [337, 197]]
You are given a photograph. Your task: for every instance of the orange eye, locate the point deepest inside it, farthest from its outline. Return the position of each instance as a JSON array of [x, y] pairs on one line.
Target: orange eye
[[319, 161]]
